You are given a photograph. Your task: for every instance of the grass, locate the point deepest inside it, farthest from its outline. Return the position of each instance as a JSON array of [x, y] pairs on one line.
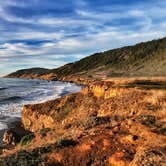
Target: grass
[[24, 158], [93, 121], [65, 109], [146, 84], [27, 139]]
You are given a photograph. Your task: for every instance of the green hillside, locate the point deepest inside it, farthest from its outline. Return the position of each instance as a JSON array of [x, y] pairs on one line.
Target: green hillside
[[143, 59]]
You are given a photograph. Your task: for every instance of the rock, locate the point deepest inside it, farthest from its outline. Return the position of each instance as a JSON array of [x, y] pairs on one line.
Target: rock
[[105, 90], [115, 159], [13, 135], [150, 156], [34, 120], [10, 138]]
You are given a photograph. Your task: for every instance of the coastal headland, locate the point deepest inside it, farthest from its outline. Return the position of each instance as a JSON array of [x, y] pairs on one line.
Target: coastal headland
[[117, 119]]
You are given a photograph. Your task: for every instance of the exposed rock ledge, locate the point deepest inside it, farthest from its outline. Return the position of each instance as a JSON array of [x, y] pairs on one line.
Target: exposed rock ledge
[[39, 116]]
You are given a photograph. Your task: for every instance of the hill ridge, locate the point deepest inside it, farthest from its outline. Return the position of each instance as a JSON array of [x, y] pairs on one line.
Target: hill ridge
[[142, 59]]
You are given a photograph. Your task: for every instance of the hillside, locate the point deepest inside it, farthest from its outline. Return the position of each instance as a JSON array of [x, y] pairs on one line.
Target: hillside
[[31, 72], [143, 59]]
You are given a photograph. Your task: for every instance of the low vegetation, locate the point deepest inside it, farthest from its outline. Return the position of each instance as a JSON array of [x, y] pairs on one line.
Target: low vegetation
[[24, 158], [27, 139]]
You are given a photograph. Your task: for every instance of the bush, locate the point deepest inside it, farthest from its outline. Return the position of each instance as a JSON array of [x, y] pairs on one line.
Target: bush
[[65, 142], [161, 130], [148, 120], [24, 158], [27, 139], [44, 131], [93, 121]]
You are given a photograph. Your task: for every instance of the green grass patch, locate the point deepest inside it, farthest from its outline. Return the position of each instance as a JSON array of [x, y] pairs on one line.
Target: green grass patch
[[27, 139]]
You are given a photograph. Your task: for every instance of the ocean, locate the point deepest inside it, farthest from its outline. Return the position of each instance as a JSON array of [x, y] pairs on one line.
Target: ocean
[[15, 93]]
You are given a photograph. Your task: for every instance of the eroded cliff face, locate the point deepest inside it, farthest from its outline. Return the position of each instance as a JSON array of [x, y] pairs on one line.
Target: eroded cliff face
[[38, 116], [104, 90], [34, 120], [104, 124]]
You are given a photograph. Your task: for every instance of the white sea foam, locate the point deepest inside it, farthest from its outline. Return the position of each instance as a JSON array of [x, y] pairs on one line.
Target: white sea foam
[[29, 92], [3, 126]]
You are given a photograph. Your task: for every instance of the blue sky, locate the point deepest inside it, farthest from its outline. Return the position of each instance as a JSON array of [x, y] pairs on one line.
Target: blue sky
[[50, 33]]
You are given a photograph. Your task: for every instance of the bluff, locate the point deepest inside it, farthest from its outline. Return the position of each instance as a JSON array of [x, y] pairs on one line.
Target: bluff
[[105, 124]]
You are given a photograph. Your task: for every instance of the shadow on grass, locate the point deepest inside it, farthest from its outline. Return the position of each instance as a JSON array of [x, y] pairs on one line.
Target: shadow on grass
[[146, 84]]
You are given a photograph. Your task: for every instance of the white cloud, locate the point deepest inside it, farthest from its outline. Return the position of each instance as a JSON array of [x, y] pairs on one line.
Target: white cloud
[[75, 36], [28, 34], [110, 15]]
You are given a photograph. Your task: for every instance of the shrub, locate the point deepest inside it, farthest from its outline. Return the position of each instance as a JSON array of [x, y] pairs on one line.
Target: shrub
[[148, 120], [93, 121], [65, 142], [27, 139], [161, 130], [24, 158], [44, 131]]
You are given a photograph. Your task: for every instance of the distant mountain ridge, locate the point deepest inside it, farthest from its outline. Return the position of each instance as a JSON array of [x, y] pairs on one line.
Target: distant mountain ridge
[[143, 59]]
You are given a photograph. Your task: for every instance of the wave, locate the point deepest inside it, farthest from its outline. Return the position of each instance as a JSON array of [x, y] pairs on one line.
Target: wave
[[19, 92], [3, 126], [2, 88], [11, 98]]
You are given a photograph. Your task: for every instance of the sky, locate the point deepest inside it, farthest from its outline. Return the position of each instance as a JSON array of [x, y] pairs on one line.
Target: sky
[[51, 33]]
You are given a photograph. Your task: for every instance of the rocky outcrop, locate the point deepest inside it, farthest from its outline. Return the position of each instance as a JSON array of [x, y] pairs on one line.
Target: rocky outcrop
[[105, 90], [47, 115], [150, 156], [33, 120], [108, 122], [10, 137], [13, 135]]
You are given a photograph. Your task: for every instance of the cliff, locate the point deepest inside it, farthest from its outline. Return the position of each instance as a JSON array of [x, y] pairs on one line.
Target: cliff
[[107, 123]]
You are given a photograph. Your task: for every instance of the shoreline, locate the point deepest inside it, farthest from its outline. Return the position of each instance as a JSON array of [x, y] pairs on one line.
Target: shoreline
[[16, 122]]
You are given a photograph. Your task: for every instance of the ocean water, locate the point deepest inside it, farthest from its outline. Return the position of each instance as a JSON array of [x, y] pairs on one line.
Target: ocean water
[[14, 93]]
